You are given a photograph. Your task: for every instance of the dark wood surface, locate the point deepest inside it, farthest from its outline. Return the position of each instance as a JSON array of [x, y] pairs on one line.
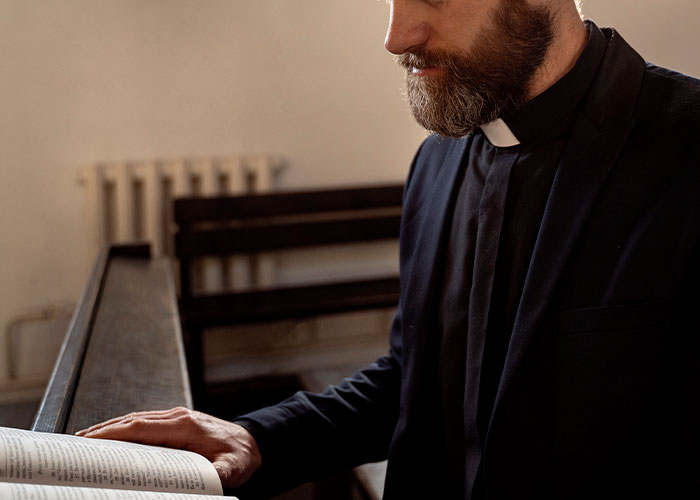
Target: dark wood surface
[[135, 359], [279, 221], [290, 302], [285, 234], [54, 409], [194, 210], [132, 357]]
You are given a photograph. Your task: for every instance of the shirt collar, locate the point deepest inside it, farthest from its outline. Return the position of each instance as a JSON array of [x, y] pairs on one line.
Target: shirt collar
[[539, 116], [499, 134]]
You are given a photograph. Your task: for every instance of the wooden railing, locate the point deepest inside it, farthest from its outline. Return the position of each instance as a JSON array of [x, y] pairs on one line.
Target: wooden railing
[[123, 349]]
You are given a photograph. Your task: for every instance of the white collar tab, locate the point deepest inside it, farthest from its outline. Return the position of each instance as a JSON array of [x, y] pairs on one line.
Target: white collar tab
[[499, 134]]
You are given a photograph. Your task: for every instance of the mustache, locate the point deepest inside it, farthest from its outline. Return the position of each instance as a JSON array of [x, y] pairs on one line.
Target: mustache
[[425, 59]]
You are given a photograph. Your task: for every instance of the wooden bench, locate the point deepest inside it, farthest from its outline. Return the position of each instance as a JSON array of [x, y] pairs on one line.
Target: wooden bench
[[123, 349], [249, 225]]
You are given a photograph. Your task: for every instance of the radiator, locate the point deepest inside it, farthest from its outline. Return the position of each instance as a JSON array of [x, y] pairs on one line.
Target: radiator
[[133, 201]]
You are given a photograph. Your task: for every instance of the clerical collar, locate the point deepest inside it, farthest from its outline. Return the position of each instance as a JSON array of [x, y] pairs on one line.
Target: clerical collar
[[499, 134], [538, 117]]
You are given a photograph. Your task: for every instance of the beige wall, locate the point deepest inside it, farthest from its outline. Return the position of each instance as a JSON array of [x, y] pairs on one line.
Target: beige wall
[[663, 31], [84, 81]]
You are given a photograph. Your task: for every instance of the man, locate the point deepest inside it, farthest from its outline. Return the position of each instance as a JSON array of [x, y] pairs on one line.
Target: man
[[546, 340]]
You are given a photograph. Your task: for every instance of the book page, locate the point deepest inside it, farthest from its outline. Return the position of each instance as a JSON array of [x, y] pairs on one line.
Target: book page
[[59, 459], [18, 491]]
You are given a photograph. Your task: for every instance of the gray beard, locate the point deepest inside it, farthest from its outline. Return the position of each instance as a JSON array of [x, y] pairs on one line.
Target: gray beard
[[492, 80]]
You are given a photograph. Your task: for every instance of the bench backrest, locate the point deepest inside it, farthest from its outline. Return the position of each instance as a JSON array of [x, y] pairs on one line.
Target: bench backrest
[[277, 221]]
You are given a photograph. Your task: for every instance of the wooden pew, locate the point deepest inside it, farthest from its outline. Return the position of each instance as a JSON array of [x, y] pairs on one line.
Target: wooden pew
[[245, 225], [123, 350], [248, 225]]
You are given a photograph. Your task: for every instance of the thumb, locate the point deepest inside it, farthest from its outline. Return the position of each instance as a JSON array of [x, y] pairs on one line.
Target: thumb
[[233, 470]]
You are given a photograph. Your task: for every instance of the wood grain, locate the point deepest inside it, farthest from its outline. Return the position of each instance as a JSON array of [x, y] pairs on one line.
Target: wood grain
[[135, 359]]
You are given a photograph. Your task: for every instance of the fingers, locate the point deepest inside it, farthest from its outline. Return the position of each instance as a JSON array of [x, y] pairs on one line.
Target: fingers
[[144, 415], [130, 416], [170, 432]]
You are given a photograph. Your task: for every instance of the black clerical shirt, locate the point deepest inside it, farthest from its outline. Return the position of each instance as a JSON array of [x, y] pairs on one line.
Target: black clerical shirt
[[497, 213]]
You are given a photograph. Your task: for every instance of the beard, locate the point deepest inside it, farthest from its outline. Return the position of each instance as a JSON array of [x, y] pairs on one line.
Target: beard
[[492, 79]]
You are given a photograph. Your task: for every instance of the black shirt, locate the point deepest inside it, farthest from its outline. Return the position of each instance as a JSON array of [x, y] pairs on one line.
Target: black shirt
[[483, 282]]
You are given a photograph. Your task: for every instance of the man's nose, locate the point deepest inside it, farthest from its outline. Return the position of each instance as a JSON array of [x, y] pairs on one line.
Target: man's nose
[[406, 30]]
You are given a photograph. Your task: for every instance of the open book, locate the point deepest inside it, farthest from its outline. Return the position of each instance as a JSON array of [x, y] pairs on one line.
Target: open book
[[43, 466]]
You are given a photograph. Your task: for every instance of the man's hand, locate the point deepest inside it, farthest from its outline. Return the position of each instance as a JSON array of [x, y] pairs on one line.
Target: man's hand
[[230, 447]]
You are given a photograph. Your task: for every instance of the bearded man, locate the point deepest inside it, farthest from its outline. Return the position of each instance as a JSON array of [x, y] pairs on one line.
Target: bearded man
[[546, 341]]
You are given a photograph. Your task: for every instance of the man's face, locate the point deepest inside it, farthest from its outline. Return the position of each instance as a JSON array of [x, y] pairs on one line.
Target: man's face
[[468, 61]]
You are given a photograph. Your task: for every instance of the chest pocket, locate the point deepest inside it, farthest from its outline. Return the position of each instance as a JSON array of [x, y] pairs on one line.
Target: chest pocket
[[611, 349], [609, 367]]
